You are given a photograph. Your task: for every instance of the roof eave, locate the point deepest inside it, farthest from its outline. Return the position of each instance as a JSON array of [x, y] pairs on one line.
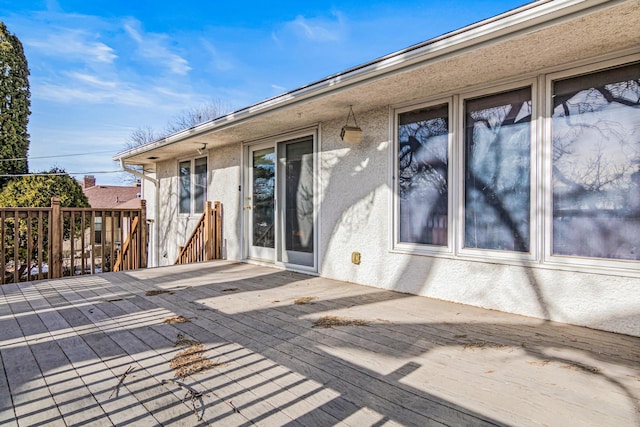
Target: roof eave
[[526, 18]]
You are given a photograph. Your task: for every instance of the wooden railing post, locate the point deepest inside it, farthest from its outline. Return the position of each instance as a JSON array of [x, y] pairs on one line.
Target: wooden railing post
[[3, 257], [218, 236], [208, 233], [144, 234], [16, 246], [56, 226]]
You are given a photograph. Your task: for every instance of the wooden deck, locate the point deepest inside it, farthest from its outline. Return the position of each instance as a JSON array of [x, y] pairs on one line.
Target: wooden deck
[[66, 344]]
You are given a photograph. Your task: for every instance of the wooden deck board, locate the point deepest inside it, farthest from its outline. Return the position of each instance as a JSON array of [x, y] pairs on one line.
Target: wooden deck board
[[238, 393], [250, 330], [72, 398], [368, 338], [525, 400], [97, 379], [65, 343], [158, 364], [7, 413], [364, 386], [376, 341], [7, 408], [147, 355]]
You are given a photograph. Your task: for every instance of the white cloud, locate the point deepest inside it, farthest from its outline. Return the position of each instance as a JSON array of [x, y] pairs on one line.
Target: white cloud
[[217, 59], [319, 29], [92, 80], [66, 94], [82, 89], [153, 47], [73, 44]]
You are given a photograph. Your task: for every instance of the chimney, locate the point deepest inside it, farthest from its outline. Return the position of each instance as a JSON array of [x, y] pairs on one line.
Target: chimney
[[88, 181]]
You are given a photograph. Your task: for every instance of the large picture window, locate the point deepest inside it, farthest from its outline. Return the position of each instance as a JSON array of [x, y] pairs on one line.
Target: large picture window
[[193, 185], [423, 145], [497, 170], [596, 164], [470, 172]]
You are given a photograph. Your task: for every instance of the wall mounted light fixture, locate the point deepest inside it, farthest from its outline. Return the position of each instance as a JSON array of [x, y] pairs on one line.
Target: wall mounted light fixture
[[351, 133], [202, 149]]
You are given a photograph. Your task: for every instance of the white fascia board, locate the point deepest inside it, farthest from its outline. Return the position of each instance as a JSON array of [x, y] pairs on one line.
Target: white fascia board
[[527, 18]]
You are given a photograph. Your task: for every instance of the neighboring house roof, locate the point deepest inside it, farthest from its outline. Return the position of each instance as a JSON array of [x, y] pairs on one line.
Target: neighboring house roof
[[537, 36], [131, 204], [112, 196]]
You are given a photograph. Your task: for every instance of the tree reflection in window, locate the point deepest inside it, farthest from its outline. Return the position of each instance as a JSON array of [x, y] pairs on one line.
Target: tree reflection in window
[[264, 182], [200, 184], [596, 164], [299, 196], [185, 187], [497, 171], [422, 175]]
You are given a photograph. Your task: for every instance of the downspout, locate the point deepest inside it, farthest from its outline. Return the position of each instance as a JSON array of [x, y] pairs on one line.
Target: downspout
[[156, 184]]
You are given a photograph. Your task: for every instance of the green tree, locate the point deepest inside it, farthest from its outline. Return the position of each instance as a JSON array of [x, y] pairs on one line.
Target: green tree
[[14, 106], [37, 190]]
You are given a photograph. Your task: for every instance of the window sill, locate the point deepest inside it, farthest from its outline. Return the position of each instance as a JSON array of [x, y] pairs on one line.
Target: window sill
[[578, 265]]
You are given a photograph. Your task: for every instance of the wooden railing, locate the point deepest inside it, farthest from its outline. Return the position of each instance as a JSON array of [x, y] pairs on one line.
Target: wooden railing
[[41, 243], [205, 242], [130, 256], [24, 241]]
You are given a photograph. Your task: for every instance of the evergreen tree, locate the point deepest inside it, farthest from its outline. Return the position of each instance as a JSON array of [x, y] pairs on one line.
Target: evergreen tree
[[14, 106]]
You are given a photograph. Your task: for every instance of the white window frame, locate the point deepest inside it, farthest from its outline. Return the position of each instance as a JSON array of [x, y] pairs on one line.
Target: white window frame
[[541, 191], [566, 261], [456, 172], [419, 248], [192, 200], [459, 134]]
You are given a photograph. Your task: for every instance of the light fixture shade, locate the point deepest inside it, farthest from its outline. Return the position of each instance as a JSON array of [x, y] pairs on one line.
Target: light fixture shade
[[351, 134]]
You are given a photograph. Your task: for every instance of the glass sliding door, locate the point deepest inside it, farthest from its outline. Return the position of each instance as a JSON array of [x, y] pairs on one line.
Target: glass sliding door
[[279, 206], [297, 210]]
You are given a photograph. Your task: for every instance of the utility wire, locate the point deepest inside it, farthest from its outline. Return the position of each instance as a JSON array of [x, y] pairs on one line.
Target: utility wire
[[59, 173], [60, 155]]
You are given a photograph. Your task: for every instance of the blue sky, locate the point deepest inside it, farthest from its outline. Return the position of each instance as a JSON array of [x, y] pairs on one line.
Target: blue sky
[[101, 69]]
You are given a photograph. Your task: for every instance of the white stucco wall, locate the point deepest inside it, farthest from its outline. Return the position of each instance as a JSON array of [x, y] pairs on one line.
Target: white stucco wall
[[149, 195], [223, 186], [355, 217], [172, 229]]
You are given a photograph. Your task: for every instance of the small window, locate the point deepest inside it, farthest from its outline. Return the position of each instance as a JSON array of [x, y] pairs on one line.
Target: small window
[[185, 187], [193, 185], [97, 230], [497, 169], [596, 165], [200, 184], [423, 153]]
